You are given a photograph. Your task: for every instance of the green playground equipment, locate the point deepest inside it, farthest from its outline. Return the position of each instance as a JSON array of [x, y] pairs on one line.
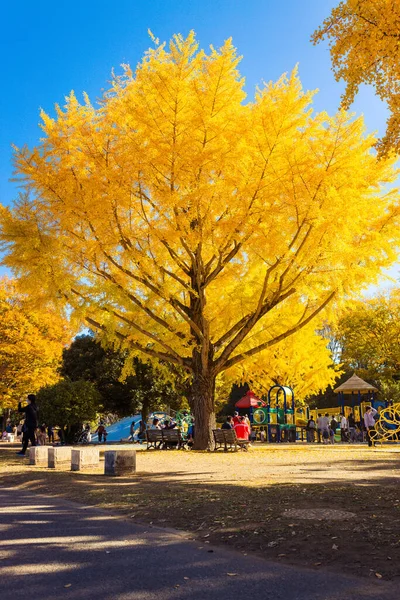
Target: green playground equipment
[[278, 417], [183, 419]]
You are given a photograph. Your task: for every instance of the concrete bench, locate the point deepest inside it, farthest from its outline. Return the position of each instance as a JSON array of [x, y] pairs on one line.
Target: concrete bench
[[59, 457], [84, 458], [119, 462], [38, 455]]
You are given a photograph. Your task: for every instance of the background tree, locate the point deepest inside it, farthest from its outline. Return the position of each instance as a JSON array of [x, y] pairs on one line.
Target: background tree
[[68, 404], [364, 38], [31, 344], [195, 228], [368, 333], [365, 338], [126, 384]]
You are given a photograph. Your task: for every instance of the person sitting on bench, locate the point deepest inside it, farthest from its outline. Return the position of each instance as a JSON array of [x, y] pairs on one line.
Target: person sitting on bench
[[228, 423], [242, 429]]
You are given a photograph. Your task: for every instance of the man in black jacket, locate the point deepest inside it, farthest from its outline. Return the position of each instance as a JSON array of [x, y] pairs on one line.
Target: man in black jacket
[[31, 423], [228, 423]]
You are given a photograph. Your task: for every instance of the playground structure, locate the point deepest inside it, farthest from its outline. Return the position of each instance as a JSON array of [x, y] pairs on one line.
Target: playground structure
[[354, 396], [278, 419], [274, 420]]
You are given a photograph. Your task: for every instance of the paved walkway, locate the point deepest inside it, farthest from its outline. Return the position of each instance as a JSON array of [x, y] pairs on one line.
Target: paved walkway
[[51, 548]]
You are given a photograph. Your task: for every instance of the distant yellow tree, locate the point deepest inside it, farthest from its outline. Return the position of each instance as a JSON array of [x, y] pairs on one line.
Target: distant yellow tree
[[364, 42], [31, 346], [368, 333], [195, 228]]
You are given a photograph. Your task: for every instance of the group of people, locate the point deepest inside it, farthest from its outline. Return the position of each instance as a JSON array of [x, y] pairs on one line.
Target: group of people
[[241, 425], [324, 428], [39, 435], [138, 432]]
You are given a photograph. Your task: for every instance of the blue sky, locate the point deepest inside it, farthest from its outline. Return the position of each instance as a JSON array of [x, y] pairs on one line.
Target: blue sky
[[49, 48]]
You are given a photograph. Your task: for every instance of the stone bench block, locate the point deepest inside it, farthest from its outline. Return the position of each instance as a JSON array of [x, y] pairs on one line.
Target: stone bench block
[[59, 457], [38, 455], [120, 462], [84, 458]]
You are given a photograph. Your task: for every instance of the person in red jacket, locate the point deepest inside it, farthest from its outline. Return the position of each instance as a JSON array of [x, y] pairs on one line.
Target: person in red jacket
[[242, 429]]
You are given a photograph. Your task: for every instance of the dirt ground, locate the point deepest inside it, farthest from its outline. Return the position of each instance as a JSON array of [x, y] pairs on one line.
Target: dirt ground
[[322, 507]]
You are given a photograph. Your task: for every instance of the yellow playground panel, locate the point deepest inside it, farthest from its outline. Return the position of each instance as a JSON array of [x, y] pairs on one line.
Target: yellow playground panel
[[387, 427], [332, 412]]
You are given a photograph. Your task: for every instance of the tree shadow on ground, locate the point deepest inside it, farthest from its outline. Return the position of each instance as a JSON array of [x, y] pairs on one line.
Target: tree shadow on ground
[[250, 516], [51, 547]]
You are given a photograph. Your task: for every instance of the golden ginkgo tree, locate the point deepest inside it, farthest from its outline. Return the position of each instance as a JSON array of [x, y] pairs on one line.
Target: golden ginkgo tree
[[196, 228], [364, 43], [31, 344]]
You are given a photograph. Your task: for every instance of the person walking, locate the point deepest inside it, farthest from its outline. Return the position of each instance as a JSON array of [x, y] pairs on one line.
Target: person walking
[[319, 428], [343, 428], [19, 431], [325, 429], [369, 422], [333, 427], [352, 427], [310, 429], [50, 434], [141, 436], [101, 432], [31, 423]]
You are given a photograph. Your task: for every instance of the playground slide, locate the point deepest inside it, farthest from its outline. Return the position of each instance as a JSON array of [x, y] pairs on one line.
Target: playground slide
[[120, 430]]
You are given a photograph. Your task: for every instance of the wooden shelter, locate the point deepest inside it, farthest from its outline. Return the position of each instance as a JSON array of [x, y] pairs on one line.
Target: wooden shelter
[[357, 388]]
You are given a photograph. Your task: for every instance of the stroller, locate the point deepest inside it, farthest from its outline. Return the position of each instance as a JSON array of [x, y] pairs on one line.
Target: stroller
[[84, 437]]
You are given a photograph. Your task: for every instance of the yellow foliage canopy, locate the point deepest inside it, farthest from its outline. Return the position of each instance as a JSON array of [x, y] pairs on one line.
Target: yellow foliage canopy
[[31, 344], [368, 333], [196, 228], [364, 42]]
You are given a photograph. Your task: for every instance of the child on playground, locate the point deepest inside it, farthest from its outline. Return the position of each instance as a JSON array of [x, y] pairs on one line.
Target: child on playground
[[101, 432]]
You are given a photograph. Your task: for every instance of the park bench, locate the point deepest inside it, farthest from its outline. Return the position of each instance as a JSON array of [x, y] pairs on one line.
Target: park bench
[[164, 439], [171, 438], [154, 438], [228, 440]]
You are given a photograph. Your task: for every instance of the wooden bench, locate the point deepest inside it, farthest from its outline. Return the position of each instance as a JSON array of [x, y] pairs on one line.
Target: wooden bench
[[154, 438], [172, 437], [164, 439], [228, 440]]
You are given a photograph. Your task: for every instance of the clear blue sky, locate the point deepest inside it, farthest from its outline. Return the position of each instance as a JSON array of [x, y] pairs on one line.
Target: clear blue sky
[[49, 48]]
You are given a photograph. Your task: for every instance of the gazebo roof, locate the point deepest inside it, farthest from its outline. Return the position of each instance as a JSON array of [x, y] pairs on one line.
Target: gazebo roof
[[355, 384]]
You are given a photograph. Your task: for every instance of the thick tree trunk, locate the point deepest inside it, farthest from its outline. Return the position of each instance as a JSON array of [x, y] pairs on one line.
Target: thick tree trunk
[[145, 409], [203, 384], [202, 406]]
